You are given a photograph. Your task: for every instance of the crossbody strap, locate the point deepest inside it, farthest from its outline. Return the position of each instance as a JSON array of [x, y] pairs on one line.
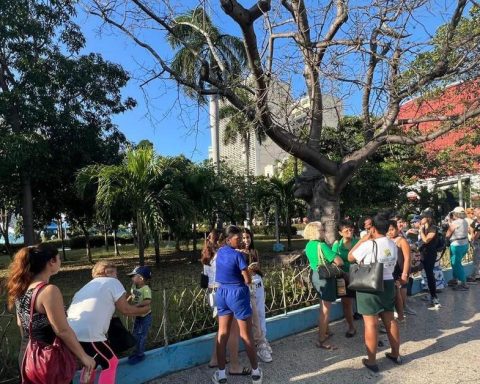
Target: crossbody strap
[[374, 251], [321, 257], [32, 305]]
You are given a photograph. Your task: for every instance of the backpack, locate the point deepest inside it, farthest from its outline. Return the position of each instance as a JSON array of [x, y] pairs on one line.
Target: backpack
[[441, 242]]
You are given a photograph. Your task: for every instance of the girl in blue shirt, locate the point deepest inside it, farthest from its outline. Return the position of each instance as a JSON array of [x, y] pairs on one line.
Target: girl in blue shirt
[[233, 301]]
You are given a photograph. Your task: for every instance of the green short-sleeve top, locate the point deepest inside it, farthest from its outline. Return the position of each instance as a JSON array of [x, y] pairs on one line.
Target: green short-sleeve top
[[311, 250], [341, 251]]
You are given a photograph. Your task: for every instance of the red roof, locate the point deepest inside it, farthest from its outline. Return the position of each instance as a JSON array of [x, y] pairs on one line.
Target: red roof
[[453, 100]]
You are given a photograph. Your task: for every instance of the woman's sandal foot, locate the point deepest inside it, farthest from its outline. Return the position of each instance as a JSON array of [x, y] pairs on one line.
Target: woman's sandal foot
[[244, 372], [397, 360], [371, 367], [323, 345], [350, 334]]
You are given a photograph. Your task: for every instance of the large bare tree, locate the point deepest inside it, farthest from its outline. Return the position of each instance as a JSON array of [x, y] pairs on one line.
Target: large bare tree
[[371, 54]]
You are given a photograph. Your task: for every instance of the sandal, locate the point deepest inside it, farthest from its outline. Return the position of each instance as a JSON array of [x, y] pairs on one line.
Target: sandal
[[349, 334], [245, 372], [397, 360], [321, 344], [216, 365], [371, 367]]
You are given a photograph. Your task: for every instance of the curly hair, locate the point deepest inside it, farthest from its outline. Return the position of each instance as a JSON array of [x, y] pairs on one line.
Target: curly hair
[[210, 247], [314, 231], [28, 262]]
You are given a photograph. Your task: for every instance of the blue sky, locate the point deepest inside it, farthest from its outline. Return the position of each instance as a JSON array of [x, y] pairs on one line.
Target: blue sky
[[163, 115]]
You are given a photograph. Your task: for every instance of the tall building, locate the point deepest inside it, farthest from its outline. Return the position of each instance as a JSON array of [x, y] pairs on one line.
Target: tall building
[[266, 157]]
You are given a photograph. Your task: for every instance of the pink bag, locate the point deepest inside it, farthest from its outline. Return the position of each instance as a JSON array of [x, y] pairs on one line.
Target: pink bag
[[44, 363]]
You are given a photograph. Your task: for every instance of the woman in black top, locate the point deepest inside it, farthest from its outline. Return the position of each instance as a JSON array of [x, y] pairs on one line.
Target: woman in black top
[[31, 267], [428, 248]]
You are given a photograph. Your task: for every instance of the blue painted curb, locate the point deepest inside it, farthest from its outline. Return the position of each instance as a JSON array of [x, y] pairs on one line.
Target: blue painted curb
[[190, 353]]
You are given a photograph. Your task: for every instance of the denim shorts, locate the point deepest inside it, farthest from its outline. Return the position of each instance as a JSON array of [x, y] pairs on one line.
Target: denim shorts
[[234, 299]]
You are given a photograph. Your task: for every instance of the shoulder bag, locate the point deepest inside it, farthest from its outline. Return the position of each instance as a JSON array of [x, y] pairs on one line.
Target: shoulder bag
[[119, 337], [46, 363], [203, 280], [367, 277], [325, 269]]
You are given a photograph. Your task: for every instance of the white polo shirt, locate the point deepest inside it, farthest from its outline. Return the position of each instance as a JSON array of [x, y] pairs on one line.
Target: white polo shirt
[[386, 254], [92, 308]]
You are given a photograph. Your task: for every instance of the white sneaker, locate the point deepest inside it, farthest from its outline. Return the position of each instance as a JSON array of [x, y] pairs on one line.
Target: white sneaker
[[257, 379], [409, 311], [265, 345], [435, 304], [264, 355], [216, 379]]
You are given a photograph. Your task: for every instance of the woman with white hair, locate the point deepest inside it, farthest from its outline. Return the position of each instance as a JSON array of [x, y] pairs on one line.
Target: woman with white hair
[[458, 234], [326, 288]]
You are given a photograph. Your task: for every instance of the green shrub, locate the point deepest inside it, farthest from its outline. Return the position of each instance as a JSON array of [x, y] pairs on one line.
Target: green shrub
[[78, 242], [270, 230]]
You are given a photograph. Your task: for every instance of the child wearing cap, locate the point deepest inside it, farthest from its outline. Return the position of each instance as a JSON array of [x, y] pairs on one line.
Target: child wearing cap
[[140, 296]]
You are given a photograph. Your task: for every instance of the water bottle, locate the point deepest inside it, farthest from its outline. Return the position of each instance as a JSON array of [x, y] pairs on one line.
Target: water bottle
[[87, 376], [341, 287]]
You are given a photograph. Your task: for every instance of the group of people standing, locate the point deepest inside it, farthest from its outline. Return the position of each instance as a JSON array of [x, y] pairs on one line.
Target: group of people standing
[[83, 328], [398, 248]]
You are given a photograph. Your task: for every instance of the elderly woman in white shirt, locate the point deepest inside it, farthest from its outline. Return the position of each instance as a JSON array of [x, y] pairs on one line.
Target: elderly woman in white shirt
[[458, 234]]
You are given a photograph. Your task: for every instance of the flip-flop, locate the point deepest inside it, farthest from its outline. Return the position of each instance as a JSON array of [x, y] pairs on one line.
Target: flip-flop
[[397, 360], [245, 372], [216, 365], [349, 335], [371, 367], [322, 345]]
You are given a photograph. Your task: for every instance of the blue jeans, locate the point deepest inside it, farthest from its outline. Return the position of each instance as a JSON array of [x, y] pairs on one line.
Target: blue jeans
[[457, 252], [140, 332]]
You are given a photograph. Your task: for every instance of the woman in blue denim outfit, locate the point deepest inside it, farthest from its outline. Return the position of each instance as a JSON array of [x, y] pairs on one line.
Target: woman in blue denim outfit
[[458, 234]]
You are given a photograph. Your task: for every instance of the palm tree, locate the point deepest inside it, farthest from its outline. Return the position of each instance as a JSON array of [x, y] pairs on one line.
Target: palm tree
[[136, 183], [204, 53], [285, 203]]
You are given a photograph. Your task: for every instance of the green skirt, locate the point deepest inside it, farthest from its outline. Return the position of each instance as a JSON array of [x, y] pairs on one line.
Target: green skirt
[[326, 288], [374, 303]]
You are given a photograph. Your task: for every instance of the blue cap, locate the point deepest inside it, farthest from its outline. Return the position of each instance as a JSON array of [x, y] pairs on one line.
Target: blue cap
[[416, 218], [144, 271]]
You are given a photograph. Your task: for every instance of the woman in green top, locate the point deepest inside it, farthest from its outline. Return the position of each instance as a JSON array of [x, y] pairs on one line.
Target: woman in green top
[[326, 288], [341, 248]]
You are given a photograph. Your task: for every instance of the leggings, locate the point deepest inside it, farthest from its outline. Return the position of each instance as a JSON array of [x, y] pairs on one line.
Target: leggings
[[457, 253], [428, 265], [103, 355]]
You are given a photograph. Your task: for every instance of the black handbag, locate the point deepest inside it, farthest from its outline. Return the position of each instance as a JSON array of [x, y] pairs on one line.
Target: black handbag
[[203, 280], [367, 277], [325, 269], [119, 337]]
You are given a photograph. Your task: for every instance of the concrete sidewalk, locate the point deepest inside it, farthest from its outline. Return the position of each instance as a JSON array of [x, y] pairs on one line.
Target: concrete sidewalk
[[439, 346]]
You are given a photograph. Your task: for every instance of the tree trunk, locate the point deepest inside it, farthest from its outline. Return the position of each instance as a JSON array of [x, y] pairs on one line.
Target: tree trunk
[[194, 240], [27, 211], [288, 229], [5, 215], [323, 201], [105, 231], [115, 243], [87, 243], [62, 238], [141, 244], [156, 240]]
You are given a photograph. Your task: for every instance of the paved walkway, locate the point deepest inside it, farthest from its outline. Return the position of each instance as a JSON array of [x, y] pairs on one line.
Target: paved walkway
[[440, 346]]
